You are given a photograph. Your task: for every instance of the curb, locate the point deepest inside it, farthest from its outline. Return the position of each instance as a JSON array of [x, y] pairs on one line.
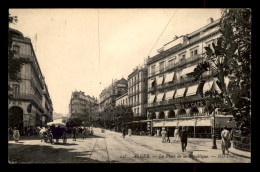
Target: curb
[[240, 155]]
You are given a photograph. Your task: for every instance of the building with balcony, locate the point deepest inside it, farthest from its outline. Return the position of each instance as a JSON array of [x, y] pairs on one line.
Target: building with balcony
[[173, 98], [31, 105], [81, 104], [137, 93], [108, 96], [122, 100]]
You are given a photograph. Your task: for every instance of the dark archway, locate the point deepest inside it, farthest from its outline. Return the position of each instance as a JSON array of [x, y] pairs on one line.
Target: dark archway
[[15, 117], [194, 111], [182, 112], [171, 114], [153, 116], [161, 115]]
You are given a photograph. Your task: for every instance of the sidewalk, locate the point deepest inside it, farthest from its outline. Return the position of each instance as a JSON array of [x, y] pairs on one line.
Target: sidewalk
[[238, 152]]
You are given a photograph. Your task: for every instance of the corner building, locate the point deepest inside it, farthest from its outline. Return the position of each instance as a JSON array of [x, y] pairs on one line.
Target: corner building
[[173, 98], [31, 105], [81, 104]]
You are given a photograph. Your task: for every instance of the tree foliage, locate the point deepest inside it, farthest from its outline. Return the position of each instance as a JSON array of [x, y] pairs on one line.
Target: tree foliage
[[74, 122], [14, 64], [231, 58], [115, 117]]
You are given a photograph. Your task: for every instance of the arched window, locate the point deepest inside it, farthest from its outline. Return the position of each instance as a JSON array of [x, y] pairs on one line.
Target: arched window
[[194, 111], [171, 114], [182, 112], [161, 115], [153, 116]]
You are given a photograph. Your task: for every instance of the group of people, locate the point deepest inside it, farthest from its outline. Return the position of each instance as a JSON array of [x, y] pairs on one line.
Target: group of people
[[182, 135], [85, 131]]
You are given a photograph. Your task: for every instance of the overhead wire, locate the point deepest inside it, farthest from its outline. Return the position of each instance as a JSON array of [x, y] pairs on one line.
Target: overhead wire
[[162, 32]]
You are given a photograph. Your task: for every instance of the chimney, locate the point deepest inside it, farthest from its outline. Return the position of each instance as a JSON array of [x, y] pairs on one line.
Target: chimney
[[210, 20]]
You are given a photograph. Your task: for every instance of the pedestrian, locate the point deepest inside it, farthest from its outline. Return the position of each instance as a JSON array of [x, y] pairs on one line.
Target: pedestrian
[[16, 134], [84, 133], [129, 132], [163, 135], [225, 140], [74, 133], [168, 135], [184, 139], [158, 132], [177, 134], [123, 131]]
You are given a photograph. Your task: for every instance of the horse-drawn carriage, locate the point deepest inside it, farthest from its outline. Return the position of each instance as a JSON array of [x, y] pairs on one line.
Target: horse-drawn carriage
[[58, 130]]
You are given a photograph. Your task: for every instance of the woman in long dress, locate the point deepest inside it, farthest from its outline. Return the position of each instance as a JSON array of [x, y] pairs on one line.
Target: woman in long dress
[[129, 132], [225, 140], [16, 134]]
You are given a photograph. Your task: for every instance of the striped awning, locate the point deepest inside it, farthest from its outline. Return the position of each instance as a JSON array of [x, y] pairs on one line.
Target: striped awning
[[188, 70], [160, 97], [159, 80], [169, 77], [169, 95], [203, 122], [207, 86], [151, 99], [192, 90], [151, 82], [187, 122], [180, 92]]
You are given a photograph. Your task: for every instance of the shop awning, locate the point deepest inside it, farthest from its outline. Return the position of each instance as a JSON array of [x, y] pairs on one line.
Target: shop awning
[[151, 99], [169, 77], [151, 82], [207, 86], [159, 80], [169, 95], [160, 97], [187, 122], [165, 123], [180, 92], [192, 90], [203, 122], [188, 70]]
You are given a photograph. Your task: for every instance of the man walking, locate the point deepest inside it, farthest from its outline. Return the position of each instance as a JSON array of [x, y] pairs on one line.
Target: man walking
[[225, 140], [124, 130], [74, 133], [168, 135], [176, 134], [184, 139]]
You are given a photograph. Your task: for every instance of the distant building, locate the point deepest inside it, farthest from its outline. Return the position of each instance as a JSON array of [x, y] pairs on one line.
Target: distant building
[[122, 100], [108, 96], [137, 91], [32, 105], [81, 104]]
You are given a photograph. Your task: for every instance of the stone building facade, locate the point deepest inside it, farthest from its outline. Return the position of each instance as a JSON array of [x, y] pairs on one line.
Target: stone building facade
[[108, 96], [81, 104], [173, 98], [32, 105]]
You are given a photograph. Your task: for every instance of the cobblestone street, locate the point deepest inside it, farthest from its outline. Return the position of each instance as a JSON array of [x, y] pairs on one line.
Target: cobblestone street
[[110, 147]]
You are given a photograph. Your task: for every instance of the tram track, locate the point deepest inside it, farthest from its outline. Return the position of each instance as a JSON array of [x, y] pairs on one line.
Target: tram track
[[97, 150]]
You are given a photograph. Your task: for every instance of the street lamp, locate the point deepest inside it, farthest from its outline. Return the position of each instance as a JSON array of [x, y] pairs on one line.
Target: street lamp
[[214, 145]]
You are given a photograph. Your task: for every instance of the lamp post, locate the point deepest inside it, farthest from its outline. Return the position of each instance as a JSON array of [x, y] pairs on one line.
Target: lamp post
[[214, 145]]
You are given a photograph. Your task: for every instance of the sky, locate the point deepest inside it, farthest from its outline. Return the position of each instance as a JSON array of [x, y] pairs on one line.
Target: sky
[[68, 41]]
